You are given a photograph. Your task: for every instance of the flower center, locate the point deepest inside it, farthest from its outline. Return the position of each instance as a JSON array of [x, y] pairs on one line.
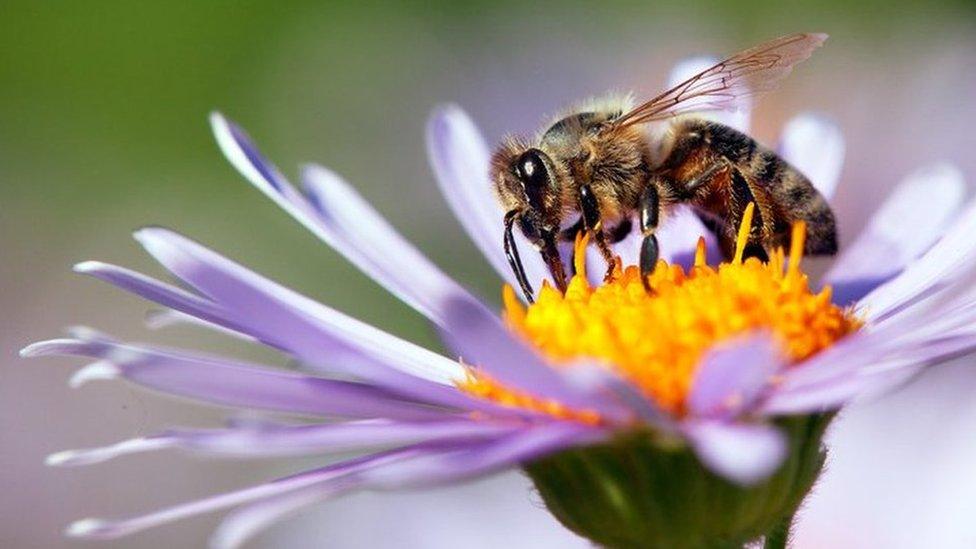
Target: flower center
[[656, 340]]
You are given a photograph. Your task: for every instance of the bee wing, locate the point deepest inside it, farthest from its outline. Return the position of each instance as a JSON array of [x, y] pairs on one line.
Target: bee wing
[[751, 72]]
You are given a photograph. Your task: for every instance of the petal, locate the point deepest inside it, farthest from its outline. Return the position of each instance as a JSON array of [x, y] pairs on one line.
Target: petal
[[421, 470], [868, 376], [742, 453], [912, 218], [624, 392], [404, 467], [97, 455], [481, 458], [231, 383], [738, 119], [336, 214], [482, 340], [459, 157], [731, 376], [815, 146], [874, 361], [833, 394], [238, 527], [943, 263], [294, 440], [166, 318], [324, 478], [311, 331], [156, 291], [369, 242], [679, 238]]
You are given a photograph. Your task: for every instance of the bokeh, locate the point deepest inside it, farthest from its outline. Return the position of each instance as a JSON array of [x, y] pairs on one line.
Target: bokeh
[[103, 129]]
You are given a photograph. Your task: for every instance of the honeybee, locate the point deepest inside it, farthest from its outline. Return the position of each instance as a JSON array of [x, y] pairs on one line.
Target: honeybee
[[598, 168]]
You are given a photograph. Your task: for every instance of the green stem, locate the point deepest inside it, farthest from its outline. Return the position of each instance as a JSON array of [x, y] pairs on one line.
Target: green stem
[[778, 537]]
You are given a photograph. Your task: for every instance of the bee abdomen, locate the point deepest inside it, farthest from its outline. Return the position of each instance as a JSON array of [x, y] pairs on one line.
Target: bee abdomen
[[797, 200]]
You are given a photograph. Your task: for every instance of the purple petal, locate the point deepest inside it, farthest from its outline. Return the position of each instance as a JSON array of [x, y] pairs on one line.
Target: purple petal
[[409, 466], [815, 146], [742, 453], [624, 392], [679, 238], [166, 318], [311, 331], [912, 218], [945, 262], [90, 456], [324, 478], [368, 240], [336, 214], [481, 458], [231, 383], [243, 524], [424, 469], [295, 440], [875, 358], [738, 119], [831, 395], [308, 330], [480, 339], [154, 290], [864, 373], [459, 157], [731, 377]]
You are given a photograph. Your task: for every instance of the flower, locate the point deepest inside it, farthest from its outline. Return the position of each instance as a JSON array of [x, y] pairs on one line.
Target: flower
[[724, 404]]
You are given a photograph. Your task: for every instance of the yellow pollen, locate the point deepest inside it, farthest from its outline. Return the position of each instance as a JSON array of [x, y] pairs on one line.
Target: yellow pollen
[[656, 340]]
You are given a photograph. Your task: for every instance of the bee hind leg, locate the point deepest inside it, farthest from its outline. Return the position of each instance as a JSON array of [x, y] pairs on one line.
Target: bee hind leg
[[742, 195], [594, 223]]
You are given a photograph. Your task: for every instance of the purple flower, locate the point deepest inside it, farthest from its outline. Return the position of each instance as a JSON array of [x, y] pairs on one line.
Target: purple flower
[[909, 277]]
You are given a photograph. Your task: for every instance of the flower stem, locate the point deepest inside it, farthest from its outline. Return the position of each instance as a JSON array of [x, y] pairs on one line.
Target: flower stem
[[779, 536]]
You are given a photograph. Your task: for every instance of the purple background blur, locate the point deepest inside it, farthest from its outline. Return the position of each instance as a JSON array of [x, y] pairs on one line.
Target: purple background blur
[[103, 129]]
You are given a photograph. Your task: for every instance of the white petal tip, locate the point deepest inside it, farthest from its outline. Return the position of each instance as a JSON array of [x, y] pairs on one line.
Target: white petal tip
[[319, 176], [216, 119], [33, 350], [96, 371], [87, 267], [90, 456], [59, 459], [45, 348], [89, 528]]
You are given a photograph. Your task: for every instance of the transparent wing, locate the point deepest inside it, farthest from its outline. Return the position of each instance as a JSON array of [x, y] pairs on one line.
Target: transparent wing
[[751, 72]]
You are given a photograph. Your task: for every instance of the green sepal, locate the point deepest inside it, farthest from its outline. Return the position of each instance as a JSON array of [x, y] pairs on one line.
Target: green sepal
[[637, 491]]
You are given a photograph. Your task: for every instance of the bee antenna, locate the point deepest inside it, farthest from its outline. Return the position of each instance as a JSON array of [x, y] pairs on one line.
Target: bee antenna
[[511, 252]]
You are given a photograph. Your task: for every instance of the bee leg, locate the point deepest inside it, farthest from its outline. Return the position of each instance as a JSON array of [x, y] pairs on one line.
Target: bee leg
[[511, 252], [569, 235], [550, 254], [649, 206], [593, 223], [706, 176], [742, 195]]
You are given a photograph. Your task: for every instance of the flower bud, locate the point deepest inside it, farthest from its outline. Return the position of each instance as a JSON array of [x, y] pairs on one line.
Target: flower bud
[[641, 491]]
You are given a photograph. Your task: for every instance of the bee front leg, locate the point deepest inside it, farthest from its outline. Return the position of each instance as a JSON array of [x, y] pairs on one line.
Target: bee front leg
[[594, 223], [649, 207]]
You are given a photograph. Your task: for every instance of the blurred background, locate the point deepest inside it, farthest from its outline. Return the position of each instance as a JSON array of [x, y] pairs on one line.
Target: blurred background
[[103, 129]]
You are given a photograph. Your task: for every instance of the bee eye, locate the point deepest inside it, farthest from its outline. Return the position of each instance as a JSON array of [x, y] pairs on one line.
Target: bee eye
[[534, 175]]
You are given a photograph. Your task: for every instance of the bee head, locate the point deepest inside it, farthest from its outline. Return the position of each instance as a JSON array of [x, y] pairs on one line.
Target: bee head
[[524, 182]]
